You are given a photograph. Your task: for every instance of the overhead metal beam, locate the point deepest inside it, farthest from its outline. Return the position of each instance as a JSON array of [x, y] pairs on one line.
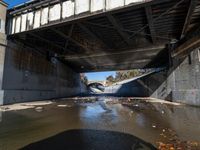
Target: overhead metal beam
[[157, 18], [120, 67], [191, 9], [148, 11], [187, 47], [142, 50], [92, 34], [70, 39], [119, 28], [126, 63], [47, 41], [32, 46], [70, 34]]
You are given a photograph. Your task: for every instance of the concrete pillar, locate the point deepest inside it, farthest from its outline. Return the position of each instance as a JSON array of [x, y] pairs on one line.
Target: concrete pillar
[[3, 9]]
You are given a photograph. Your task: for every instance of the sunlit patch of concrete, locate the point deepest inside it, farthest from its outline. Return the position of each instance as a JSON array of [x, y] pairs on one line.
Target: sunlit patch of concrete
[[23, 106], [0, 116], [154, 100]]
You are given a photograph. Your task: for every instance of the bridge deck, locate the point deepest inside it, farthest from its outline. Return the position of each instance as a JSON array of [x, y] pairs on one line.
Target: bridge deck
[[104, 35]]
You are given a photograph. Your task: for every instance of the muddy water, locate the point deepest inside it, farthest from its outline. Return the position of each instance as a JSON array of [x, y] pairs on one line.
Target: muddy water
[[163, 125]]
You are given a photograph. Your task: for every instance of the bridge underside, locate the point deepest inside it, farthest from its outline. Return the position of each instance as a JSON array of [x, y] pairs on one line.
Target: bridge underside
[[143, 35], [136, 36]]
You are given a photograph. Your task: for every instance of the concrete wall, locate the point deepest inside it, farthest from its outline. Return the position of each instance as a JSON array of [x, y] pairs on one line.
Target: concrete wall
[[3, 9], [132, 88], [3, 42], [180, 84], [29, 76]]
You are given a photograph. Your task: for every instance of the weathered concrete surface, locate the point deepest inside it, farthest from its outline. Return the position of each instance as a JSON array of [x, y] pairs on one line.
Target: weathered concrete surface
[[131, 87], [179, 84], [3, 8], [30, 76]]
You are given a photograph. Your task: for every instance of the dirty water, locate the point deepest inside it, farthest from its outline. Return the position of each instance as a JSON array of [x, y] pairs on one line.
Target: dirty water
[[107, 120]]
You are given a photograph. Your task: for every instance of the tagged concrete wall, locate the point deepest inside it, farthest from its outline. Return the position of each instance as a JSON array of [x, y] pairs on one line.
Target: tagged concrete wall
[[29, 76]]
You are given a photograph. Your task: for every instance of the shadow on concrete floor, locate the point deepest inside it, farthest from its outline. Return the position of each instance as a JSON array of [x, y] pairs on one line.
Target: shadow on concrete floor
[[90, 140]]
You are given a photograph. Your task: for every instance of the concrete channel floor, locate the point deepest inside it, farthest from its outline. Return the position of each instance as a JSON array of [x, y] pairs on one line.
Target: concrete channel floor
[[96, 123]]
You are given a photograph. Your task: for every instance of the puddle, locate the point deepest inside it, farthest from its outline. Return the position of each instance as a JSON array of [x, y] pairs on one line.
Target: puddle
[[163, 124]]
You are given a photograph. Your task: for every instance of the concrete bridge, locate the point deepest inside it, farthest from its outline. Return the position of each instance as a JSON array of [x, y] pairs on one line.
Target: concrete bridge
[[50, 42]]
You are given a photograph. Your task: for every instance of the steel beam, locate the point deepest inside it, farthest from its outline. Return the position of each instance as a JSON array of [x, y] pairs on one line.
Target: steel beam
[[47, 41], [119, 28], [187, 46], [191, 9], [142, 50], [92, 34], [70, 34], [157, 18], [148, 11], [126, 63], [70, 39]]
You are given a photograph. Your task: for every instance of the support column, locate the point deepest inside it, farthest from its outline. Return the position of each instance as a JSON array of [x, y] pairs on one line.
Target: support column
[[3, 43]]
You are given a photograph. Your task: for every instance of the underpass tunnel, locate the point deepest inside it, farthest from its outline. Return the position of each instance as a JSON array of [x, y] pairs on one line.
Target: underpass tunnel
[[100, 74], [47, 49]]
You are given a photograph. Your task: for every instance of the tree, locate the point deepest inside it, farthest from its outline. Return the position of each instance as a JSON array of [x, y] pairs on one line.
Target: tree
[[124, 75], [110, 80], [84, 78]]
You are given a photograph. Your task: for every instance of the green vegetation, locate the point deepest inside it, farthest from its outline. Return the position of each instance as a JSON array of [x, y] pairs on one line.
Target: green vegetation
[[124, 75], [84, 78]]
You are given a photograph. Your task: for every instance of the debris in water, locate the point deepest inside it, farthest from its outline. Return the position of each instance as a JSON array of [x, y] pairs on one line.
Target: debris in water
[[39, 109], [154, 126], [4, 108], [136, 105], [112, 102], [62, 105]]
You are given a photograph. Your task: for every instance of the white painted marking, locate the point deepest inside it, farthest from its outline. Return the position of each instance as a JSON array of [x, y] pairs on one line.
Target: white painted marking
[[82, 6], [111, 4], [30, 21], [97, 5], [13, 25], [18, 24], [68, 9], [23, 27], [55, 12], [44, 19], [37, 19]]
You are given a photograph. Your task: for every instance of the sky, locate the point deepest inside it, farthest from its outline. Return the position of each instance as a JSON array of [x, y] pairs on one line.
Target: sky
[[99, 76], [14, 2]]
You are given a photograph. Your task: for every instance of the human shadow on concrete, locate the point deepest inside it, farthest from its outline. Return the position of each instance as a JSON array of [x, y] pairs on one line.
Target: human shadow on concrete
[[84, 139]]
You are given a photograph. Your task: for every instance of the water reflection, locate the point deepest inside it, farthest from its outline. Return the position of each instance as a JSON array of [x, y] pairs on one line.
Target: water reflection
[[140, 120], [0, 116], [157, 123]]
